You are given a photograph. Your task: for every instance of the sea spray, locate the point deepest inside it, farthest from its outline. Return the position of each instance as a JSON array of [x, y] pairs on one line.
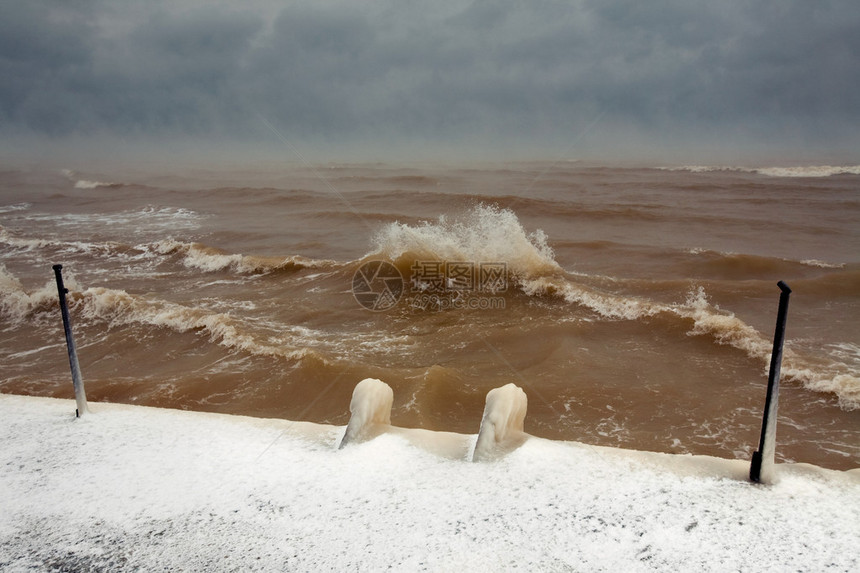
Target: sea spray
[[486, 233]]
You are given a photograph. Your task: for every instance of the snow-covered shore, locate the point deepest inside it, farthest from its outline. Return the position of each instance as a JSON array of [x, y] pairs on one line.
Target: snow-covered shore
[[134, 488]]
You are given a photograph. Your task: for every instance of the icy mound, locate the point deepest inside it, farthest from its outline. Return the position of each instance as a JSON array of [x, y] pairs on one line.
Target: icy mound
[[502, 423], [370, 417], [370, 411]]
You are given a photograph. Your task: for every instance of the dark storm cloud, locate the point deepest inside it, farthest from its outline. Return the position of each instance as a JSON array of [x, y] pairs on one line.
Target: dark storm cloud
[[400, 71], [42, 53]]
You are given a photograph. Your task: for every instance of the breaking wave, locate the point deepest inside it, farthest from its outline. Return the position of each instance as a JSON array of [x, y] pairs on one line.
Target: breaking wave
[[13, 208], [119, 308], [796, 171], [491, 234], [485, 234], [116, 308], [746, 265], [196, 256], [702, 318], [145, 220], [210, 259], [87, 183], [17, 305]]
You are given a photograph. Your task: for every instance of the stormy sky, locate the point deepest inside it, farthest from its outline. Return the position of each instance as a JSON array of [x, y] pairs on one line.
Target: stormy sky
[[556, 79]]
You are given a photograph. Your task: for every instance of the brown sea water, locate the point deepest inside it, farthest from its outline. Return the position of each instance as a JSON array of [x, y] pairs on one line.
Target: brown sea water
[[636, 306]]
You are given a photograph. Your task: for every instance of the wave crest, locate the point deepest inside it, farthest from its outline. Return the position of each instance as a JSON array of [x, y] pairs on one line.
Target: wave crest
[[119, 308], [72, 175], [210, 259], [793, 171], [17, 305], [702, 318], [484, 234]]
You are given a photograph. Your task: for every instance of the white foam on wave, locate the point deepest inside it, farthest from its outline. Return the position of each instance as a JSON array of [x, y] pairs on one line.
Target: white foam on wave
[[809, 171], [707, 319], [727, 329], [118, 308], [822, 264], [150, 218], [846, 387], [611, 306], [72, 175], [484, 234], [194, 255], [698, 251], [792, 171], [20, 242], [209, 259], [699, 168], [845, 351], [730, 330], [84, 184], [724, 327], [13, 208], [17, 305], [107, 249], [606, 305]]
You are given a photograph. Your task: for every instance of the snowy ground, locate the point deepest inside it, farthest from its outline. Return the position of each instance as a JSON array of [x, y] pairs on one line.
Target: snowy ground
[[133, 488]]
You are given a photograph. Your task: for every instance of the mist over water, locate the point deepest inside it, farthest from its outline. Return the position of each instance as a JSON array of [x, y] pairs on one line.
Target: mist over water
[[637, 308]]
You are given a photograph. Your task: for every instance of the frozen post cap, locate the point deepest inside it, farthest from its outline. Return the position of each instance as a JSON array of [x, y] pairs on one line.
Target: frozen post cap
[[502, 424], [370, 411]]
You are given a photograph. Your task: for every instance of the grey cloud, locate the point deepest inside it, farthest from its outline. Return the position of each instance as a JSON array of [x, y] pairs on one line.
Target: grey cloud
[[45, 50], [396, 71]]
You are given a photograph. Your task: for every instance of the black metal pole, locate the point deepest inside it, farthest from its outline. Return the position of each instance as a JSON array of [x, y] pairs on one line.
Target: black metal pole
[[763, 459], [80, 394]]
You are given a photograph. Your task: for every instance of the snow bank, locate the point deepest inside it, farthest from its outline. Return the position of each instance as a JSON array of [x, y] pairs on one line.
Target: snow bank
[[134, 488]]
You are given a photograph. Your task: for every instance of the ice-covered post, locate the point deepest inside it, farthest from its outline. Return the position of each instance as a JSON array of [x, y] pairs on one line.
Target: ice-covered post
[[761, 468], [80, 394], [370, 411], [502, 423]]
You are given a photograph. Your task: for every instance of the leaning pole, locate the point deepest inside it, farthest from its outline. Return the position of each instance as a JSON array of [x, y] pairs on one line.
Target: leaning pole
[[761, 468], [80, 394]]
